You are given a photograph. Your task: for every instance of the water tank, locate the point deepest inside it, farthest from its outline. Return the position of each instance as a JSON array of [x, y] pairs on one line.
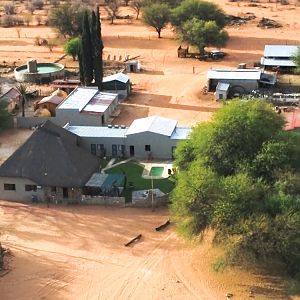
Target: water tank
[[116, 126], [32, 66], [123, 126], [109, 126]]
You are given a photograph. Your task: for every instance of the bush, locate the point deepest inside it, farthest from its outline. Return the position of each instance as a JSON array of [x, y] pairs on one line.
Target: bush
[[8, 21], [38, 4], [9, 8]]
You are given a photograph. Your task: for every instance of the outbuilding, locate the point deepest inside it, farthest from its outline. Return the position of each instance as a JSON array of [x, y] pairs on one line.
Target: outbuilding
[[86, 106], [117, 83], [242, 81], [279, 56], [222, 90]]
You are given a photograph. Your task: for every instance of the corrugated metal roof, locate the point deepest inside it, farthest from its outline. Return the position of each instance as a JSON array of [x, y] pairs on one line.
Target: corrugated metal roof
[[250, 74], [181, 133], [280, 50], [222, 86], [98, 132], [153, 124], [88, 99], [293, 120], [79, 98], [51, 99], [118, 77], [277, 62]]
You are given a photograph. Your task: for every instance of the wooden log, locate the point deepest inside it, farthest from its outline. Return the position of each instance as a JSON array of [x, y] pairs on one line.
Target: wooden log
[[167, 223], [137, 238]]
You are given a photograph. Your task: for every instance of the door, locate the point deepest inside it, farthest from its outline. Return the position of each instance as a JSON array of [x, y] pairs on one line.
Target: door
[[114, 150], [100, 150], [131, 151], [173, 152], [65, 193], [93, 149]]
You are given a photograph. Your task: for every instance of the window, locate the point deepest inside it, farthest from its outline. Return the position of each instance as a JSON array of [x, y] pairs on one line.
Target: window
[[30, 187], [9, 187], [53, 189], [147, 148]]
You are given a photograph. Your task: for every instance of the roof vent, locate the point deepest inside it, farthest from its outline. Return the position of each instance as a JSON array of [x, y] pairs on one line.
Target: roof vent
[[116, 126], [109, 126], [123, 126]]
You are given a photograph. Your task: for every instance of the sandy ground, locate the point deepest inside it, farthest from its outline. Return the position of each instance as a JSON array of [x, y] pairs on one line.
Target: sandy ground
[[77, 252]]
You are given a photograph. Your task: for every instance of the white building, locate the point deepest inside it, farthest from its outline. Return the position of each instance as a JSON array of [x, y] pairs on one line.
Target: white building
[[86, 106], [279, 56]]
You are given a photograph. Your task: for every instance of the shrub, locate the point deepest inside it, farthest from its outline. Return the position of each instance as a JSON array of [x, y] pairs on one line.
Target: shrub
[[9, 8], [38, 4], [7, 21]]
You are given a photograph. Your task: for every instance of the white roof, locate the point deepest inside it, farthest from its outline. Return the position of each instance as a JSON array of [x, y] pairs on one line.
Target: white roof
[[79, 98], [277, 62], [118, 77], [88, 99], [153, 124], [280, 50], [181, 133], [252, 74], [222, 86], [97, 131]]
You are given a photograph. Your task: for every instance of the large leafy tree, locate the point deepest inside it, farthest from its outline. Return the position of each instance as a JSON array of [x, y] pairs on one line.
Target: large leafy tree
[[201, 10], [157, 16], [239, 174], [202, 34], [67, 19]]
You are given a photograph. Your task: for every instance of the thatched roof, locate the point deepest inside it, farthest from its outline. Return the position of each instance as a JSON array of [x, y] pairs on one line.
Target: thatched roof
[[51, 157]]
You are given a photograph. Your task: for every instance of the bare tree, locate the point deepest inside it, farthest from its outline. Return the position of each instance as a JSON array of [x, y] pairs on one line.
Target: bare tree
[[27, 19], [38, 19], [113, 9], [137, 6], [18, 30]]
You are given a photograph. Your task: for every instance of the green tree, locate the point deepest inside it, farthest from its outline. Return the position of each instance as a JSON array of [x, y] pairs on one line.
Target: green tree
[[296, 60], [203, 34], [86, 55], [97, 49], [201, 10], [4, 115], [157, 16], [67, 19], [72, 46], [239, 174]]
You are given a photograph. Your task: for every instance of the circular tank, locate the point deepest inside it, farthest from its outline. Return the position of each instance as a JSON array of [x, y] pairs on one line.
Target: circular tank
[[46, 72]]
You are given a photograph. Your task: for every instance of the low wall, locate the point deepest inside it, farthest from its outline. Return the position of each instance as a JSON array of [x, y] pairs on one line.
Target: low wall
[[29, 122], [147, 202], [103, 200]]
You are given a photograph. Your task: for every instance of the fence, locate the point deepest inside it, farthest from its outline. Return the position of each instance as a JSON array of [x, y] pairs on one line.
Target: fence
[[29, 122], [104, 200], [147, 202]]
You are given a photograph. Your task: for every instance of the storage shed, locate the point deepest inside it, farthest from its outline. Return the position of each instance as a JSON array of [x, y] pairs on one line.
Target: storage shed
[[133, 66], [222, 90], [279, 56], [242, 81], [117, 83]]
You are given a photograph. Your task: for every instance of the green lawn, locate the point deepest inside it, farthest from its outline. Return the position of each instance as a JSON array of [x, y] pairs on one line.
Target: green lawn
[[135, 182]]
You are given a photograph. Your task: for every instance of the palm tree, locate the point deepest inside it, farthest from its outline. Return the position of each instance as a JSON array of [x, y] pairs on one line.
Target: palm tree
[[23, 89]]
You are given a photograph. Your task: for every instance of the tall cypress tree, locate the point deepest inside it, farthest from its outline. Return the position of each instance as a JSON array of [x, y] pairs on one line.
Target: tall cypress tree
[[86, 52], [101, 46], [97, 49]]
